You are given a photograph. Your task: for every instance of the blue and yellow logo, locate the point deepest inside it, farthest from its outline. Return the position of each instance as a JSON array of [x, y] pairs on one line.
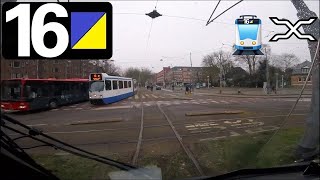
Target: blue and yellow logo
[[88, 30]]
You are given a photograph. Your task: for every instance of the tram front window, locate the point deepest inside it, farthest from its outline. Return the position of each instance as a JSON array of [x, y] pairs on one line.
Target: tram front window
[[96, 86]]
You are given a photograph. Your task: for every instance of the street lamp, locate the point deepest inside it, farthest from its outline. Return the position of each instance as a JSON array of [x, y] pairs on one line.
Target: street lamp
[[208, 81]]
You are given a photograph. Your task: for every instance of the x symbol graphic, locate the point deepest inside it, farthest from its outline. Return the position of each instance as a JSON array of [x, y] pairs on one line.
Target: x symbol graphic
[[293, 29]]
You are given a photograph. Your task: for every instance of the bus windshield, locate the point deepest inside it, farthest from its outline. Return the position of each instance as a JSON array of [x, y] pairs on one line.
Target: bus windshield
[[248, 31], [11, 90], [96, 86]]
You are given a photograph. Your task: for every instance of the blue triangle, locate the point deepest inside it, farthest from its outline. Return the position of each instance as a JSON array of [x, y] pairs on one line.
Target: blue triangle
[[81, 23]]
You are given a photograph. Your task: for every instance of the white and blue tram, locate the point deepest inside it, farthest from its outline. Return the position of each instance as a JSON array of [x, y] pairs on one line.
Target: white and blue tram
[[105, 89]]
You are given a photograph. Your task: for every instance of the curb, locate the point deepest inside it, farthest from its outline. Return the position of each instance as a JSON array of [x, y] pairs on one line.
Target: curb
[[244, 96], [96, 122], [213, 113], [183, 98]]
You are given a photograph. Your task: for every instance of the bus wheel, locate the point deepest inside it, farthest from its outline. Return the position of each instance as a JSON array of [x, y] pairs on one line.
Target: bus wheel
[[53, 104]]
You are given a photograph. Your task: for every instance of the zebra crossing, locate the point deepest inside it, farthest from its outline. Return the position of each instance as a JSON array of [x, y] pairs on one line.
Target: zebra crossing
[[154, 99]]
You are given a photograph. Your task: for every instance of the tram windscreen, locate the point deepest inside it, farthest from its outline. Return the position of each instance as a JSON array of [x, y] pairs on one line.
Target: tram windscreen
[[248, 31]]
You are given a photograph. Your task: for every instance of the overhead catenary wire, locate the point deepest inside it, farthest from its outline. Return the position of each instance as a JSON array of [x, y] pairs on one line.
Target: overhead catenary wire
[[222, 12]]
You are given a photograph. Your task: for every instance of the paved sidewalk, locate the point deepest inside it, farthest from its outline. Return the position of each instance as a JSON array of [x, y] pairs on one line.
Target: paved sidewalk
[[249, 92]]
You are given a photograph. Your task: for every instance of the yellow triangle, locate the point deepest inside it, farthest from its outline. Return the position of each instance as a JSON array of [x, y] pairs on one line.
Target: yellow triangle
[[96, 37]]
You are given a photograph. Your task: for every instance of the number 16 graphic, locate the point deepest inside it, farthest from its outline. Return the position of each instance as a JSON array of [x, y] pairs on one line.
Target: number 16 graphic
[[45, 30]]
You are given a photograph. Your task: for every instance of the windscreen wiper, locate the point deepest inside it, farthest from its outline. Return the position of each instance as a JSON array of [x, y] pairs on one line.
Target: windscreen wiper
[[33, 132]]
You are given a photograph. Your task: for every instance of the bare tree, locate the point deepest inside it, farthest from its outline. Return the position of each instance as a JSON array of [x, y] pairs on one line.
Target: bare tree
[[285, 60], [220, 59]]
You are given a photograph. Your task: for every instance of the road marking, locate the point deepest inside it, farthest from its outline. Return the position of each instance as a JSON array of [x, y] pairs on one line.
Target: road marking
[[147, 95], [130, 98], [234, 133], [114, 107], [154, 96], [142, 97], [214, 102], [34, 125], [79, 108], [195, 103], [212, 139], [54, 109], [225, 102], [136, 96]]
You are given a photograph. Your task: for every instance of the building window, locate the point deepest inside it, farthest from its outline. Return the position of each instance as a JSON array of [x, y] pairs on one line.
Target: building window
[[304, 70], [15, 75], [55, 70], [16, 64]]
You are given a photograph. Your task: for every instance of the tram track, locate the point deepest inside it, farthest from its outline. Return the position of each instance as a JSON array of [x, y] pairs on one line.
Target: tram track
[[176, 136]]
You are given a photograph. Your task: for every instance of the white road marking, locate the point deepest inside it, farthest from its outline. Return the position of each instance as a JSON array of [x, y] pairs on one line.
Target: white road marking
[[154, 96], [34, 125], [225, 102], [65, 109], [79, 108], [113, 107], [147, 95], [136, 97], [212, 139], [142, 97], [214, 102], [195, 103]]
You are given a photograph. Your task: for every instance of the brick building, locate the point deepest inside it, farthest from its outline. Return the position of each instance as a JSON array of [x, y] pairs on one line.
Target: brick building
[[47, 69], [299, 74], [180, 75], [162, 77]]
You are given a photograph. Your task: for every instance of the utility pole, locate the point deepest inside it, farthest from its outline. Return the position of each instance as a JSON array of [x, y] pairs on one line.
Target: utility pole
[[282, 81], [191, 74], [267, 72], [277, 81], [310, 141]]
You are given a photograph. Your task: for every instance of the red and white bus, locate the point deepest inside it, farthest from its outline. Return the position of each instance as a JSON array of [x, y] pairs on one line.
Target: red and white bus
[[32, 94]]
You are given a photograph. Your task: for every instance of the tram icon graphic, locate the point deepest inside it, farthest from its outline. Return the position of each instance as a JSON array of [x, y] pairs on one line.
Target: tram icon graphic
[[88, 30], [248, 35]]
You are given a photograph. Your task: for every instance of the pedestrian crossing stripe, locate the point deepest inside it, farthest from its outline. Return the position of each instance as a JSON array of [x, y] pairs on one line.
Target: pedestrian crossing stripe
[[154, 96]]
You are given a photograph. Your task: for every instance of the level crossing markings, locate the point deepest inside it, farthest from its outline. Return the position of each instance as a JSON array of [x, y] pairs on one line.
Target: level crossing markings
[[154, 96]]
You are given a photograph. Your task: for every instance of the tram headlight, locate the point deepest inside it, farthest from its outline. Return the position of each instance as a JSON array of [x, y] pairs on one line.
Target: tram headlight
[[241, 42], [254, 43]]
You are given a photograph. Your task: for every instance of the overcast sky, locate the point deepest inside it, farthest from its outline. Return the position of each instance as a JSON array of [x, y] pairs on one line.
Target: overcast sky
[[172, 38]]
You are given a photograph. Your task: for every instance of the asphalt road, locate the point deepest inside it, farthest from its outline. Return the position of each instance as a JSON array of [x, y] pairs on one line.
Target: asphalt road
[[115, 128]]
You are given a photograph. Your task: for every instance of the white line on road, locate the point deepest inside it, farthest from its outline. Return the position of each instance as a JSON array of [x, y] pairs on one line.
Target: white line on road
[[214, 102], [136, 97], [142, 97], [114, 107], [34, 125], [154, 96], [147, 95]]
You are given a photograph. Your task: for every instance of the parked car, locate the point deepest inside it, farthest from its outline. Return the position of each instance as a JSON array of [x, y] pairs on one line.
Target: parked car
[[158, 88]]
